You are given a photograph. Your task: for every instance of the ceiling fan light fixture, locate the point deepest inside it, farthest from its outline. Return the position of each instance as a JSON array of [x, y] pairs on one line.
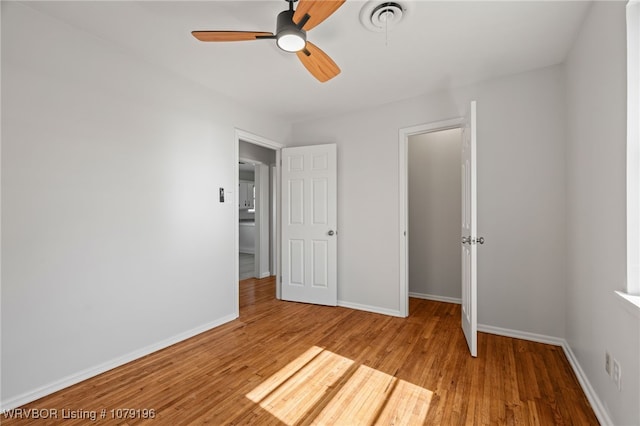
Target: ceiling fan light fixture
[[291, 41], [289, 37]]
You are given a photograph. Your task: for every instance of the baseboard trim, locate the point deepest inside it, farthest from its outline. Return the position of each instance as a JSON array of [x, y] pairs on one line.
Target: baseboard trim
[[435, 298], [597, 405], [246, 250], [594, 400], [264, 275], [73, 379], [368, 308], [524, 335]]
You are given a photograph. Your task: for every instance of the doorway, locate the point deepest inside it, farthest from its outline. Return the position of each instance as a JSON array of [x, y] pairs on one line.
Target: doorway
[[434, 203], [404, 135], [257, 209], [469, 239]]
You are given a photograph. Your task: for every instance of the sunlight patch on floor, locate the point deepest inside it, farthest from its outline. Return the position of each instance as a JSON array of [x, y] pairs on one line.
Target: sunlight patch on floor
[[296, 389], [333, 390]]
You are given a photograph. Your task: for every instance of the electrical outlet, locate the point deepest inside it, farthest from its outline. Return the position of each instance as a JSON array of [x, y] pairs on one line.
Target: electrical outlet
[[607, 363], [617, 374]]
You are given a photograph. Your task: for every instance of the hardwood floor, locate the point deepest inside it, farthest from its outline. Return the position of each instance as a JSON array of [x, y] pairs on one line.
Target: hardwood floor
[[289, 363]]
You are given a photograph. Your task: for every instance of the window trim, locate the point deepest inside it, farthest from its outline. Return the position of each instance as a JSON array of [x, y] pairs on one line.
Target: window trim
[[633, 151]]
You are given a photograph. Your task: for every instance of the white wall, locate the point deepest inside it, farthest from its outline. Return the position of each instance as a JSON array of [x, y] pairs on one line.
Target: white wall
[[113, 239], [434, 188], [247, 175], [521, 135], [596, 207]]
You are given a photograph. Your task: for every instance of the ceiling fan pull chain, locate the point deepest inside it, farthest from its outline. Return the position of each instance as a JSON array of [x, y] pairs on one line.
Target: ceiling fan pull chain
[[386, 31]]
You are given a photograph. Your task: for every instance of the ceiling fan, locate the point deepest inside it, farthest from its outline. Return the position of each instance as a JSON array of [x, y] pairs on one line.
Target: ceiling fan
[[291, 35]]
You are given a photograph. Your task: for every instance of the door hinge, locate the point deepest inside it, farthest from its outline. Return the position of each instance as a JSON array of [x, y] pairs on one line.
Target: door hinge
[[469, 240]]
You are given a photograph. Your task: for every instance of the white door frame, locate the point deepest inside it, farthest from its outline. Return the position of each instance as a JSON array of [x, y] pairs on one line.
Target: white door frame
[[267, 143], [262, 219], [403, 234], [261, 232], [274, 219]]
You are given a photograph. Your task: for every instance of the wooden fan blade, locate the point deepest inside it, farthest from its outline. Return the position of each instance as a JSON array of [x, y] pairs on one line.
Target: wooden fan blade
[[318, 63], [318, 11], [230, 35]]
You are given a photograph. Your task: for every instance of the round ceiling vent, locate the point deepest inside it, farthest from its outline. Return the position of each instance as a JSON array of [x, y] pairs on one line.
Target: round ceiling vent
[[381, 16]]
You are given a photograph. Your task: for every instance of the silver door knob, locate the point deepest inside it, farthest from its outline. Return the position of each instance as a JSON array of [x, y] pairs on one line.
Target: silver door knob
[[330, 233], [466, 240], [480, 240]]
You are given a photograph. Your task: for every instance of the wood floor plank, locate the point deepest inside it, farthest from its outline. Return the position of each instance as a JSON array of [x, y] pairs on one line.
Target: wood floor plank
[[285, 363]]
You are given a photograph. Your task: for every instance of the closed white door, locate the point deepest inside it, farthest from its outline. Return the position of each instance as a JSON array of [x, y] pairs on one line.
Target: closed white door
[[309, 219], [468, 232]]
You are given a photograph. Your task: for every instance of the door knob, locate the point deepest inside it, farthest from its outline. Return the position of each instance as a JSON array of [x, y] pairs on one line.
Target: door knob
[[466, 240], [330, 233], [480, 240]]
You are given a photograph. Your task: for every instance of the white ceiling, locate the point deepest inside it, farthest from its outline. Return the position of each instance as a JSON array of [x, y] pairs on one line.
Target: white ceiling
[[438, 45]]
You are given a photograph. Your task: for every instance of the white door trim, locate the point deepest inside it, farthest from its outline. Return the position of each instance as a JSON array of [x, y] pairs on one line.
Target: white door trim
[[275, 259], [261, 243], [403, 240], [267, 143]]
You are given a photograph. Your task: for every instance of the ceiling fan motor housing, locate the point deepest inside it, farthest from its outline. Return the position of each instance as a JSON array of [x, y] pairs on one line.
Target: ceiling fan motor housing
[[289, 36]]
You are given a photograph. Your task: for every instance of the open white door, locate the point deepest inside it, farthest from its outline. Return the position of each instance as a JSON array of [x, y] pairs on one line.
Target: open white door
[[469, 232], [309, 219]]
